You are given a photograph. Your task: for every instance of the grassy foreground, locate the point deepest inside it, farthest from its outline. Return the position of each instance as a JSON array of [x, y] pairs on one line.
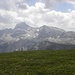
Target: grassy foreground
[[38, 63]]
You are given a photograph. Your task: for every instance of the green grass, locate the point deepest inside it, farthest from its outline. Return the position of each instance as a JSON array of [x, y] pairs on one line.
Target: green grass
[[38, 63]]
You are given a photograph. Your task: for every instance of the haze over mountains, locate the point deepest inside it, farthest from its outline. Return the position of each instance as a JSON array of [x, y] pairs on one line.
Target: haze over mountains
[[24, 37]]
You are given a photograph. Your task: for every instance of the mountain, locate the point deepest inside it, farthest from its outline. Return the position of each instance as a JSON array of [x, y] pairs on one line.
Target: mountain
[[25, 37], [22, 26]]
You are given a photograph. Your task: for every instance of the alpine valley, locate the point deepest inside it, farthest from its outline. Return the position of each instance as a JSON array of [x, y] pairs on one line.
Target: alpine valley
[[24, 37]]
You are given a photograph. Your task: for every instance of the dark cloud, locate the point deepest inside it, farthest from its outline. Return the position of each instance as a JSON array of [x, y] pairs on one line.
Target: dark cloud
[[7, 5], [53, 3], [22, 5], [12, 4]]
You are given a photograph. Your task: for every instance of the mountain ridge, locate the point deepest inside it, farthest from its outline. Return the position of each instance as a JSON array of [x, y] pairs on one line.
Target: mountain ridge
[[26, 37]]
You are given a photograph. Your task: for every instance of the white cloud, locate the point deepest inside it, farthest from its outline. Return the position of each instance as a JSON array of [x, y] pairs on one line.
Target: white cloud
[[37, 16], [18, 11]]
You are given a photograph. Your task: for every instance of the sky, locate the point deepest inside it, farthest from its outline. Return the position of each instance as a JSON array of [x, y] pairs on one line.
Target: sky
[[36, 13]]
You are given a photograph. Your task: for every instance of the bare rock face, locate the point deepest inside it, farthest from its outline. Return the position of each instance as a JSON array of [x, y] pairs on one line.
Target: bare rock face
[[22, 26], [24, 37]]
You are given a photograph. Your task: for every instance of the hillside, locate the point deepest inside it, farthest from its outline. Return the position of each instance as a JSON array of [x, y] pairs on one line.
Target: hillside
[[60, 62]]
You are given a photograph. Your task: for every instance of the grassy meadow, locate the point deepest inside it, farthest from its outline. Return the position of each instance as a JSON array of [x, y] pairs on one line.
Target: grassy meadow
[[60, 62]]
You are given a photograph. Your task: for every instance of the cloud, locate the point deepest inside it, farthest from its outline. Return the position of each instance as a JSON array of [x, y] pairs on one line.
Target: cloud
[[71, 1], [7, 5], [9, 12], [13, 4], [8, 18], [18, 10], [37, 16], [53, 3], [22, 6]]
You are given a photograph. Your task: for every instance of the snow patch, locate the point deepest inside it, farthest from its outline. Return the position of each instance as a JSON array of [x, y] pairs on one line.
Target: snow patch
[[38, 30], [28, 35]]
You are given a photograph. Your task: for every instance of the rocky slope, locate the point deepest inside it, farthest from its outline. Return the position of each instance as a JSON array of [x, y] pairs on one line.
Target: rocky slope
[[24, 37]]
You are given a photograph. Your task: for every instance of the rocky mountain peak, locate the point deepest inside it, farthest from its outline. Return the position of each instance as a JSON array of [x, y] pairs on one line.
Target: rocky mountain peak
[[24, 37], [22, 25]]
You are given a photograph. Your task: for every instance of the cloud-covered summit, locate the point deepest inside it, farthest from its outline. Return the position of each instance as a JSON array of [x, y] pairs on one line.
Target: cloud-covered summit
[[36, 13]]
